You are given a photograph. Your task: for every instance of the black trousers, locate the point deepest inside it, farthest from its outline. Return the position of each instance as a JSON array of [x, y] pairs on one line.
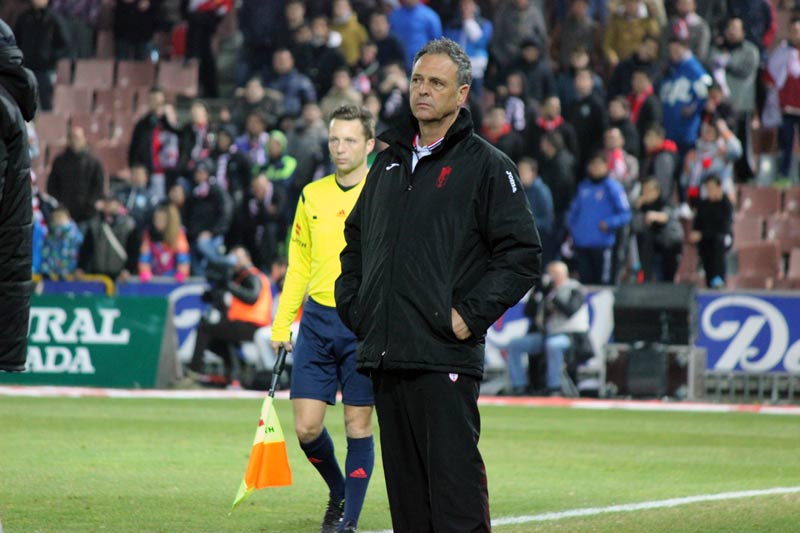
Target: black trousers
[[435, 477], [201, 30], [712, 255], [221, 338]]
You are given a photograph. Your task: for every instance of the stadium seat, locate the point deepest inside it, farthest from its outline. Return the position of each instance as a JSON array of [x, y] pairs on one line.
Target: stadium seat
[[114, 158], [792, 278], [95, 126], [747, 228], [749, 282], [122, 125], [115, 100], [179, 77], [136, 74], [689, 266], [68, 100], [64, 71], [784, 228], [51, 127], [760, 259], [105, 44], [761, 201], [791, 200], [94, 73]]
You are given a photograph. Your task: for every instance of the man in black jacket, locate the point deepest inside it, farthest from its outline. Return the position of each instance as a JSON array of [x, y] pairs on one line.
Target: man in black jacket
[[43, 42], [77, 179], [440, 243], [18, 97]]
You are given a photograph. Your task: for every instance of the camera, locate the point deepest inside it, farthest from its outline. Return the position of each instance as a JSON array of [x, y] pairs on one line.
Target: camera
[[218, 274]]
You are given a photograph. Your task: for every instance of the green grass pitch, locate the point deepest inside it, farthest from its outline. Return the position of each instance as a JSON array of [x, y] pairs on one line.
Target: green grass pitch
[[142, 465]]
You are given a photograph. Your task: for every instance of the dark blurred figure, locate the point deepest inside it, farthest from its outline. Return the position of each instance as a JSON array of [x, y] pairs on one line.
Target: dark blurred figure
[[77, 179], [42, 40], [109, 242], [17, 106], [712, 231], [135, 22]]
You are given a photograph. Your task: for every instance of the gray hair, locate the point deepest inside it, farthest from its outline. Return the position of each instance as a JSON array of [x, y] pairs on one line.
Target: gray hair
[[452, 50]]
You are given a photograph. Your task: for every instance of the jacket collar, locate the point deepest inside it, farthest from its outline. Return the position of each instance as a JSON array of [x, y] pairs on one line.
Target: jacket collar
[[403, 135]]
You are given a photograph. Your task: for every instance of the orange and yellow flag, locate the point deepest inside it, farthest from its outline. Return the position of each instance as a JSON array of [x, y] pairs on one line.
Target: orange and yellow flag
[[269, 462]]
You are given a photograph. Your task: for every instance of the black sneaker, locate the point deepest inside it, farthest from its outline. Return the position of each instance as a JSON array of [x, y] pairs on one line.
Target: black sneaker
[[333, 517]]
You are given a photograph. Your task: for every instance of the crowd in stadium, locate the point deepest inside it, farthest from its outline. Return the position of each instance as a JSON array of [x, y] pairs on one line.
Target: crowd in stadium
[[637, 125]]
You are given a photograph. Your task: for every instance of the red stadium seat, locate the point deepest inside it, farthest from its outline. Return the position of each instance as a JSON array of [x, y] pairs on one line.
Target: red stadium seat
[[791, 200], [115, 100], [747, 228], [760, 259], [760, 201], [784, 228], [688, 268], [64, 71], [178, 77], [68, 100], [114, 158], [94, 73], [105, 44], [792, 279], [136, 74], [96, 126], [51, 127]]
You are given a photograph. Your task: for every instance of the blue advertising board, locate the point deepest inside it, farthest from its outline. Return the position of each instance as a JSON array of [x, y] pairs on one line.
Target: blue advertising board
[[753, 332]]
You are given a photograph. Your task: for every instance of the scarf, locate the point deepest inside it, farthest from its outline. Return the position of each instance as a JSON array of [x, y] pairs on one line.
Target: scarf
[[636, 102], [550, 125]]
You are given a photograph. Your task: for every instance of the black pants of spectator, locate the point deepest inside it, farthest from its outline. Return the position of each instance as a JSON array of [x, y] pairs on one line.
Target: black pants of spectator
[[45, 80], [125, 49], [743, 169], [435, 476], [201, 30], [253, 61], [658, 263], [712, 255], [595, 265], [786, 135], [221, 338]]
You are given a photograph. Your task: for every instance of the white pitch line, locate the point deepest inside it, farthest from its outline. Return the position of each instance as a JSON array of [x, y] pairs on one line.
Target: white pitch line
[[631, 507]]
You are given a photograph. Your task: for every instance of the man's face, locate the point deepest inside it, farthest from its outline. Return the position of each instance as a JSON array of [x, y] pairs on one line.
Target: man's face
[[40, 4], [282, 62], [648, 50], [684, 7], [714, 191], [155, 102], [199, 114], [295, 13], [254, 91], [526, 174], [794, 34], [598, 168], [76, 139], [435, 92], [348, 145], [676, 52], [640, 83], [583, 83], [260, 187], [139, 177], [613, 139], [734, 31], [652, 140], [551, 108], [379, 26]]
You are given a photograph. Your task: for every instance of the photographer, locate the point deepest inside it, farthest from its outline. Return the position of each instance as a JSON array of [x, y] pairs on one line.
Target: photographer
[[244, 295], [559, 328]]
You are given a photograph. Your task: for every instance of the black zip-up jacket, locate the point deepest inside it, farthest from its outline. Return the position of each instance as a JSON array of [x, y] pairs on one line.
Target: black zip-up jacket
[[18, 96], [456, 233]]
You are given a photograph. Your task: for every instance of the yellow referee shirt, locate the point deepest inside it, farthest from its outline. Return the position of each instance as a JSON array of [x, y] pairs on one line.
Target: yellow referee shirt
[[316, 242]]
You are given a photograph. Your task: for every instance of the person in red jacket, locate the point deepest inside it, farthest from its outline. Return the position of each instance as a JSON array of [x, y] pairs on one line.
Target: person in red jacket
[[783, 76]]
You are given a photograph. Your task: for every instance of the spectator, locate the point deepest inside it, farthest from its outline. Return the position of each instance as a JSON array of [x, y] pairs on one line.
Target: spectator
[[253, 142], [109, 245], [690, 26], [414, 24], [341, 93], [566, 78], [512, 97], [77, 179], [296, 88], [208, 217], [137, 199], [557, 169], [761, 25], [263, 229], [135, 22], [598, 210], [619, 117], [367, 70], [661, 160], [626, 30], [735, 67], [550, 120], [261, 29], [203, 18], [164, 250], [390, 47], [79, 20], [177, 196], [622, 165], [325, 57], [659, 234], [645, 109], [354, 35], [715, 151], [713, 12], [539, 198], [295, 18], [155, 143], [683, 94], [718, 107], [473, 33], [42, 202], [393, 91], [61, 246], [280, 169], [645, 58], [783, 77], [559, 324], [538, 77], [246, 302], [515, 21], [307, 140], [41, 38], [588, 116], [711, 231], [576, 30], [195, 138], [498, 131], [233, 169]]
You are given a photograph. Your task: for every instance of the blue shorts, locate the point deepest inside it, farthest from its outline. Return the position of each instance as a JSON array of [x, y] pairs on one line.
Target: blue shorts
[[324, 356]]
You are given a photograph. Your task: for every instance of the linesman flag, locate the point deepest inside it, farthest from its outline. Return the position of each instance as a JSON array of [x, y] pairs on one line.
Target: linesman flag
[[269, 462]]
